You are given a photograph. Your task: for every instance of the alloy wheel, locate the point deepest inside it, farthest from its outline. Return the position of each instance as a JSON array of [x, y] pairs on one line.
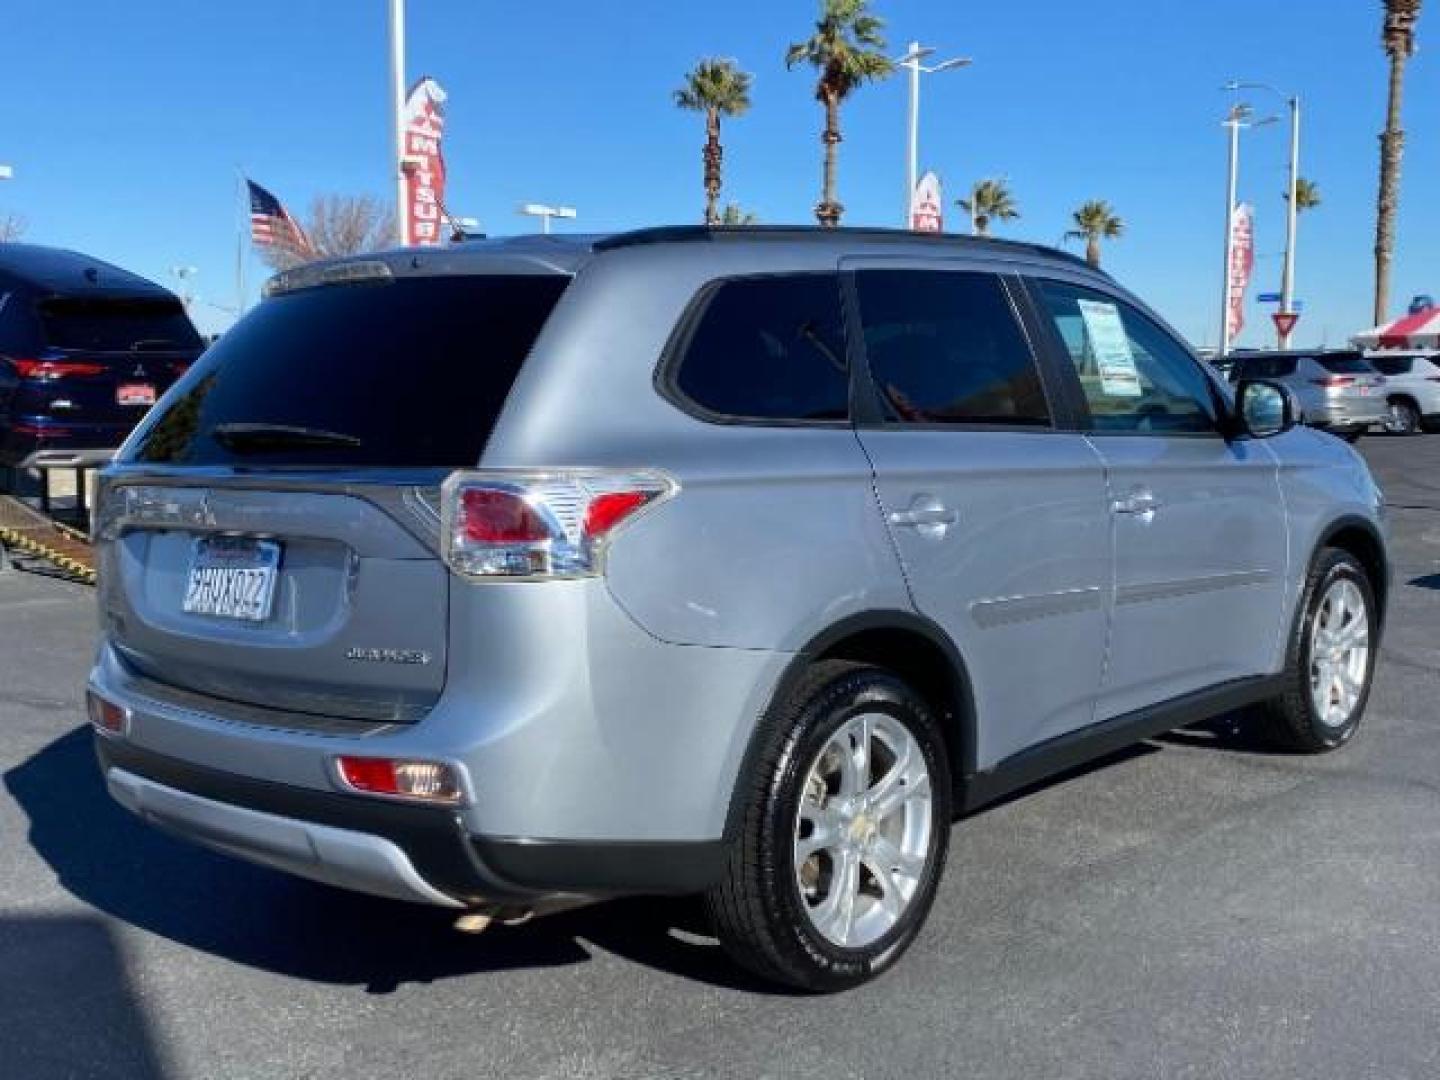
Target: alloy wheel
[[863, 830], [1339, 653]]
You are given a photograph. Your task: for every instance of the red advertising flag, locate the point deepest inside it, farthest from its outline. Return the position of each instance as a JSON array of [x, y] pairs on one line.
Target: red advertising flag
[[1242, 263], [927, 213], [423, 164]]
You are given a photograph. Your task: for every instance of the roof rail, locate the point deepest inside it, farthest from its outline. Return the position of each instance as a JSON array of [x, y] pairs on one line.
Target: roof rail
[[675, 234]]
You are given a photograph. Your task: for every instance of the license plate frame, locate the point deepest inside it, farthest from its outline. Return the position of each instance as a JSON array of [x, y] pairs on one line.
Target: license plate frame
[[232, 577]]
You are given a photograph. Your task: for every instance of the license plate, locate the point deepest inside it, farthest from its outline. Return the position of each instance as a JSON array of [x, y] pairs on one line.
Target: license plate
[[232, 577], [135, 394]]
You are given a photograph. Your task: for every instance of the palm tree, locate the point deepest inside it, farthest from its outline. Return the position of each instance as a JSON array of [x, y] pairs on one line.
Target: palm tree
[[717, 88], [1095, 221], [847, 49], [736, 215], [1307, 195], [989, 200], [1398, 39]]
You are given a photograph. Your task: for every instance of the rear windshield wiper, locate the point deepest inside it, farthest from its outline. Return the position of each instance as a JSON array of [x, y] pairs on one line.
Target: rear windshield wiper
[[260, 437]]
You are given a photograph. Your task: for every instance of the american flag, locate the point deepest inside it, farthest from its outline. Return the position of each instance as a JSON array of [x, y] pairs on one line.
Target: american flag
[[271, 224]]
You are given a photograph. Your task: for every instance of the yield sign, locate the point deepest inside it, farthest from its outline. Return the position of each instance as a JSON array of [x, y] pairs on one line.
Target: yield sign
[[1285, 321]]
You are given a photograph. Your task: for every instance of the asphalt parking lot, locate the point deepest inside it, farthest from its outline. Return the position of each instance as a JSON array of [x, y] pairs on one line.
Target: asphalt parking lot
[[1193, 907]]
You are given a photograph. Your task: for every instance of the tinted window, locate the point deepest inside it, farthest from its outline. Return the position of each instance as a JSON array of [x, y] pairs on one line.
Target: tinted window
[[1135, 376], [1344, 364], [944, 348], [769, 348], [1266, 367], [113, 325], [1392, 365], [407, 372]]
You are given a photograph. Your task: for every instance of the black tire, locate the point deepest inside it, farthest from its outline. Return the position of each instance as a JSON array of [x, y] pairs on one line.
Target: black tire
[[758, 909], [1292, 721], [1404, 417], [1351, 436]]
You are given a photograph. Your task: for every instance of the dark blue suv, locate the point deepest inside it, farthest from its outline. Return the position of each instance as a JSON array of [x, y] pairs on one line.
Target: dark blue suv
[[85, 349]]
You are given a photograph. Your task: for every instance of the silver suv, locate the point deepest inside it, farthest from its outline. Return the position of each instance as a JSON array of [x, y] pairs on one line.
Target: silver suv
[[685, 561], [1412, 390], [1338, 390]]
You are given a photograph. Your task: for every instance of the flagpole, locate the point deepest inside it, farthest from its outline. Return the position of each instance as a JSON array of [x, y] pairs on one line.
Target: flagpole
[[240, 215], [397, 95]]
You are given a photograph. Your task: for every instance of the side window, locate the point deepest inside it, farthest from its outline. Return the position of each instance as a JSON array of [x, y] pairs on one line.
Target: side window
[[1135, 376], [769, 348], [944, 348]]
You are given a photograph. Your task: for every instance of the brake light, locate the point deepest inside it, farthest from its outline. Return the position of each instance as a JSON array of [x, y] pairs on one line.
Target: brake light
[[540, 525], [430, 781], [178, 367], [56, 369], [1335, 380]]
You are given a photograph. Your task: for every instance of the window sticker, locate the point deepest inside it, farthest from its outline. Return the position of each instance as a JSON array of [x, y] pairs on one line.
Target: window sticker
[[1110, 346]]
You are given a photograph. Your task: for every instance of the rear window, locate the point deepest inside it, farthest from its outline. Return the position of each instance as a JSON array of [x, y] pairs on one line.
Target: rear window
[[769, 348], [109, 324], [408, 372], [1265, 367], [1345, 364], [1392, 365]]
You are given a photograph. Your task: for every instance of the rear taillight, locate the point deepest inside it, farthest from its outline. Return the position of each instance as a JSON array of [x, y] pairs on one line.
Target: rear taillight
[[56, 369], [1335, 381], [178, 367], [540, 525], [399, 778]]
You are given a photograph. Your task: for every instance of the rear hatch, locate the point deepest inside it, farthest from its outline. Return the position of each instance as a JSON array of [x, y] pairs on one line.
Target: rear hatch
[[104, 362], [270, 534], [1350, 375]]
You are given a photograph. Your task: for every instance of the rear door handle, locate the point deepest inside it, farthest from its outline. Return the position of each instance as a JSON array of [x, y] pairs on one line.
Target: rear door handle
[[927, 515], [935, 516], [1137, 502]]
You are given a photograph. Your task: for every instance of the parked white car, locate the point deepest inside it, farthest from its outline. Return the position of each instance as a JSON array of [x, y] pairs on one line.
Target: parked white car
[[1412, 388]]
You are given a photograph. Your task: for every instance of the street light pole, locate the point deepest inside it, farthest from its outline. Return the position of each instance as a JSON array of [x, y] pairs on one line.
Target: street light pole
[[1292, 212], [1233, 122], [911, 62], [397, 98], [1287, 280], [545, 213]]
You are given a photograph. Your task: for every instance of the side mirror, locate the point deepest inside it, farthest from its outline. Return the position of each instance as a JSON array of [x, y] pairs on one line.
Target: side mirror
[[1264, 409]]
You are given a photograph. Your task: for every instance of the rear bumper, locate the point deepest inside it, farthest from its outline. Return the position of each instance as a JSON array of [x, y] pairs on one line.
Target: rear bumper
[[59, 444], [1349, 414], [402, 851]]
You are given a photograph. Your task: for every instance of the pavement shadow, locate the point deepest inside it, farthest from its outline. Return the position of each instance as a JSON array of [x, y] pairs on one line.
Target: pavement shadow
[[270, 920], [1428, 581], [67, 1007], [1241, 732]]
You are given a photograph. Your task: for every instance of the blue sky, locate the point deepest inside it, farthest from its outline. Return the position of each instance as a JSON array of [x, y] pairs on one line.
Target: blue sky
[[125, 122]]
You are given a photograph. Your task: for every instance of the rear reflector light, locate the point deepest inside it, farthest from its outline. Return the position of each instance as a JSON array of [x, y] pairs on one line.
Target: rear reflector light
[[430, 781], [56, 369], [540, 525], [106, 715]]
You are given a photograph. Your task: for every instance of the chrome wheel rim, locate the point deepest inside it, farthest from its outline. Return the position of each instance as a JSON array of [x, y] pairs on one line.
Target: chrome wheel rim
[[1339, 653], [862, 830]]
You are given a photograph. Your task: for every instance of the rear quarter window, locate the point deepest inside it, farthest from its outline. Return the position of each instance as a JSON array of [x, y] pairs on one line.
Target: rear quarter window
[[766, 349]]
